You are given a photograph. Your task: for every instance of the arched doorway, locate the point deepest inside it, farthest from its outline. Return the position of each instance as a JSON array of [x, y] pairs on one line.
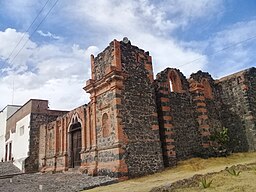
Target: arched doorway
[[75, 145]]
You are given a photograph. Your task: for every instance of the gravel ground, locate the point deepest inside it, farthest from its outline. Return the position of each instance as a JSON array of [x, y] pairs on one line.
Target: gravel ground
[[8, 168], [48, 182]]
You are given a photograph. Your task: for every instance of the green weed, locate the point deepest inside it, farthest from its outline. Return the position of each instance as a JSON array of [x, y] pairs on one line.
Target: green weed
[[233, 172], [204, 183]]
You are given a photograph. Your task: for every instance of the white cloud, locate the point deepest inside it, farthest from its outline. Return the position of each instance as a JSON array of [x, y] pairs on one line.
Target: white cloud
[[148, 25], [48, 34], [142, 15], [184, 12], [168, 53], [8, 49], [56, 72]]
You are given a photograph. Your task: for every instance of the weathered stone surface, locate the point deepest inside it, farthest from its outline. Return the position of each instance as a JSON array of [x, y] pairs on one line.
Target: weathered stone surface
[[135, 125], [7, 168], [187, 117], [143, 150], [103, 62], [58, 182], [237, 94], [177, 114], [32, 161]]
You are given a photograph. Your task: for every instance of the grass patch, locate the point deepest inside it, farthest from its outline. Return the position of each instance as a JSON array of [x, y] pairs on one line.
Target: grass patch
[[223, 182], [204, 183], [233, 172]]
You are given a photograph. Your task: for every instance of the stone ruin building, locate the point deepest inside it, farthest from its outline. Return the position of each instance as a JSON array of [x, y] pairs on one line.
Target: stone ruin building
[[136, 125]]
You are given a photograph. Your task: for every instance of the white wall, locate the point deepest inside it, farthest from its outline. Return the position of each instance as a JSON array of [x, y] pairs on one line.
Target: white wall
[[3, 118], [4, 115], [20, 143], [2, 130], [2, 147]]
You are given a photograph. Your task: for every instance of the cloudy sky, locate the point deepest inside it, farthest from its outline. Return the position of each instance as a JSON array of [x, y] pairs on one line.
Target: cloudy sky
[[45, 47]]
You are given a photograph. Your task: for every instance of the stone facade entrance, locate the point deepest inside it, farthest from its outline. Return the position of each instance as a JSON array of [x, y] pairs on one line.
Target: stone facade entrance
[[75, 145]]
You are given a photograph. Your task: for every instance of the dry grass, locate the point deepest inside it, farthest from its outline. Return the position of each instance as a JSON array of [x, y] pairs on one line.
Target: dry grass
[[185, 169], [224, 181]]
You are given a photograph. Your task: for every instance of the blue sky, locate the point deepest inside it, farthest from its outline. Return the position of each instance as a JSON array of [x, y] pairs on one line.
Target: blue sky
[[54, 64]]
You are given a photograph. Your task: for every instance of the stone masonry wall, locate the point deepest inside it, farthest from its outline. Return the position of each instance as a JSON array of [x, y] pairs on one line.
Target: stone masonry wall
[[135, 125], [47, 153], [213, 102], [108, 151], [106, 155], [103, 62], [177, 117], [233, 110], [138, 110], [186, 133], [55, 140], [42, 146], [250, 79], [238, 95], [103, 107], [32, 161]]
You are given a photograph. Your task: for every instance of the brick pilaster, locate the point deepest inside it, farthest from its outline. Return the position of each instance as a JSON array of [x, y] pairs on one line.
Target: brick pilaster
[[166, 125], [197, 90]]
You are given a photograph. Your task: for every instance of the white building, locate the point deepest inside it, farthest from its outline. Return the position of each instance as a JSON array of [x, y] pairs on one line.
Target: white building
[[18, 143], [21, 138], [8, 111]]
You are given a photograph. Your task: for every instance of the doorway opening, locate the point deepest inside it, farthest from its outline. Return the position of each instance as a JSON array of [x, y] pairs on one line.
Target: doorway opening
[[75, 145]]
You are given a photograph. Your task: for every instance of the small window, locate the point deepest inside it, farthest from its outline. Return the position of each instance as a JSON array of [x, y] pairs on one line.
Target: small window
[[21, 130], [171, 85], [175, 82]]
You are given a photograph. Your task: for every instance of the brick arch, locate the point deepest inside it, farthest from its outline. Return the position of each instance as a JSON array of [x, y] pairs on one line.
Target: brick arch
[[74, 141], [207, 89], [105, 125], [75, 119], [175, 81]]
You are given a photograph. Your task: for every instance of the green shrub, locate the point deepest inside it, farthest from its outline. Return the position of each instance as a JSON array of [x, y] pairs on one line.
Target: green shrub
[[233, 172], [220, 141], [204, 183]]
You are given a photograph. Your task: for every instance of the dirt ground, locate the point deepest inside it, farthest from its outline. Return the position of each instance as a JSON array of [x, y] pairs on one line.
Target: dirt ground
[[222, 181]]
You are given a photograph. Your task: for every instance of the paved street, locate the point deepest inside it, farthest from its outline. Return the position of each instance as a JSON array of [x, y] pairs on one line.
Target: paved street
[[47, 182]]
